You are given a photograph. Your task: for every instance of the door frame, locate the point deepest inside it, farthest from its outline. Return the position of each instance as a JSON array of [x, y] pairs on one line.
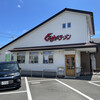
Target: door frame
[[66, 64]]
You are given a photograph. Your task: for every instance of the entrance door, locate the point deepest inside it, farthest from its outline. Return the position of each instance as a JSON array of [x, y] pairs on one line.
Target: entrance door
[[70, 65]]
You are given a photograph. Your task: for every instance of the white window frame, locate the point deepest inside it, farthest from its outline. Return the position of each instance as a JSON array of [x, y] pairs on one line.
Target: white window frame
[[47, 55], [32, 55], [21, 54]]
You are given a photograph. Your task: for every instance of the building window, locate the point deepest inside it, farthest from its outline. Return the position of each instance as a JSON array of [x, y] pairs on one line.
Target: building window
[[9, 56], [47, 57], [69, 25], [33, 57], [64, 25], [21, 57]]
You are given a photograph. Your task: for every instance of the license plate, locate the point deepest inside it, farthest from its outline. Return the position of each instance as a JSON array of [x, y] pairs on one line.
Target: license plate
[[4, 82]]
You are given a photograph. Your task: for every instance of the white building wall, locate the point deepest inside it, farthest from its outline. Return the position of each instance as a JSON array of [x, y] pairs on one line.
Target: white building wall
[[79, 32], [58, 57], [78, 62], [59, 61]]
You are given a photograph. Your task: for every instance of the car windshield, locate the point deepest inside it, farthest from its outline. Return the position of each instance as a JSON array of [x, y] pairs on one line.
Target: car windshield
[[8, 67]]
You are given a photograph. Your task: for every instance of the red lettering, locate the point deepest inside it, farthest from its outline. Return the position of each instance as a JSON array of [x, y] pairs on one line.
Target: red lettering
[[47, 37], [50, 38], [68, 37]]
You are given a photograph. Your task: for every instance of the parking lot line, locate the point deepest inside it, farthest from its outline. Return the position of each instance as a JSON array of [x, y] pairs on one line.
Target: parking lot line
[[41, 80], [89, 98], [12, 92], [28, 90], [92, 82]]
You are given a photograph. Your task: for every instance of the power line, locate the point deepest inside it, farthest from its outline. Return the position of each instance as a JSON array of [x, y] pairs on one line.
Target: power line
[[7, 34], [7, 37]]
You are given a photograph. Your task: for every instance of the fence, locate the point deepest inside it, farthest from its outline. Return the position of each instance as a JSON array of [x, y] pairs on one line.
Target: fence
[[44, 73]]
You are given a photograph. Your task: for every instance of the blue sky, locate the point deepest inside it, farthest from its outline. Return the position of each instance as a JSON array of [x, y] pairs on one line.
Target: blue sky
[[19, 16]]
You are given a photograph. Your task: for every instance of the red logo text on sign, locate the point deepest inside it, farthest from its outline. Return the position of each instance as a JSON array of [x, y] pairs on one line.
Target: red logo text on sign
[[50, 37]]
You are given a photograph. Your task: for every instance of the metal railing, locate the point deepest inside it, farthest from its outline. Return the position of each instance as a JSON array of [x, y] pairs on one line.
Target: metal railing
[[44, 73]]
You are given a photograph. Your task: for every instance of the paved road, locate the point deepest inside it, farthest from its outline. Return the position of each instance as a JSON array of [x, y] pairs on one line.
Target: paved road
[[84, 88]]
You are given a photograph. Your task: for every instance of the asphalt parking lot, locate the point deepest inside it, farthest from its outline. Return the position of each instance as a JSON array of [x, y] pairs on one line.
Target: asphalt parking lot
[[86, 88]]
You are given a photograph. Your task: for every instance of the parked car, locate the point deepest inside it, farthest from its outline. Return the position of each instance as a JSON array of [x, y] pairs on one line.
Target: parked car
[[10, 76]]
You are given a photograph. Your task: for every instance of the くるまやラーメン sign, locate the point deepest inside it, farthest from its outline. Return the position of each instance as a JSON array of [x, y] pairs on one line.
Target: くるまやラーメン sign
[[50, 37]]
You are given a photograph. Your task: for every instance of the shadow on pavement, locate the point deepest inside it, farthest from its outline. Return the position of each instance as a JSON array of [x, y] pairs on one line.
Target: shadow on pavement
[[87, 77], [9, 90]]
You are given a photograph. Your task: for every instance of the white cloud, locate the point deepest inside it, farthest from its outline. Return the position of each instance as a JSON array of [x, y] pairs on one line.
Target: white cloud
[[19, 6]]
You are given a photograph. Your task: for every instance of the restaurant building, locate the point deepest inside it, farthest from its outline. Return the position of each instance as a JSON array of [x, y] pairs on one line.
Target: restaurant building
[[63, 40]]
